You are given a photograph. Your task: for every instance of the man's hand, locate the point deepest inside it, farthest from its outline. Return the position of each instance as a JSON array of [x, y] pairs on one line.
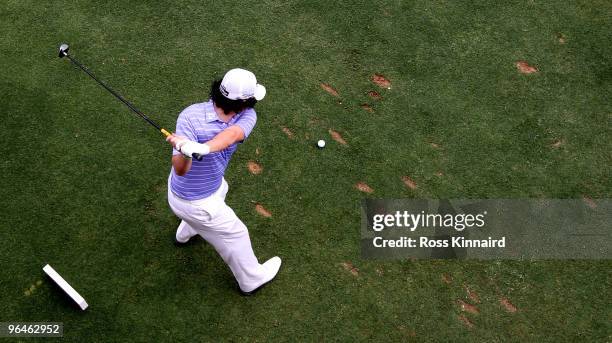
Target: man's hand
[[190, 148], [187, 147], [176, 141]]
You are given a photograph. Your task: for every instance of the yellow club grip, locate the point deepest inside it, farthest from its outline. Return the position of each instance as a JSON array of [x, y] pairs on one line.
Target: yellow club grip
[[166, 133]]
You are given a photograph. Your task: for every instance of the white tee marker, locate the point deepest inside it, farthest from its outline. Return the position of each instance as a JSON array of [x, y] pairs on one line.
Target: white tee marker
[[59, 280]]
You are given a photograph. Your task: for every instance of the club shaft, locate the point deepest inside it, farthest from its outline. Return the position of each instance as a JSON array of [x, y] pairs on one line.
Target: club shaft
[[117, 95]]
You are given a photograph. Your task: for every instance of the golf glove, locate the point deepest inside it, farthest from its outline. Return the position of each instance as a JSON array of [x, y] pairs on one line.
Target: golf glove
[[188, 148]]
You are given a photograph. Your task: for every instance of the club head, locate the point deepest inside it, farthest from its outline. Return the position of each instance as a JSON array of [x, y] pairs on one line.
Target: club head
[[63, 50]]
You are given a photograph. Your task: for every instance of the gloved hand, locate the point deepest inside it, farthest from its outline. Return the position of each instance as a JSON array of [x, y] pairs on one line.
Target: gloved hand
[[189, 148]]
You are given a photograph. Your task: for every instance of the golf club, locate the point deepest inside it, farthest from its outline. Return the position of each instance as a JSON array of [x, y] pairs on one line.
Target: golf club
[[63, 52]]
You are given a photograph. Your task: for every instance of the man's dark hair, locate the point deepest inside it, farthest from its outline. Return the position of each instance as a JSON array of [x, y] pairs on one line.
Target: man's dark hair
[[228, 105]]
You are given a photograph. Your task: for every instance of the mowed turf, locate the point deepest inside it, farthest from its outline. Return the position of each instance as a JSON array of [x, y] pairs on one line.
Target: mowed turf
[[84, 180]]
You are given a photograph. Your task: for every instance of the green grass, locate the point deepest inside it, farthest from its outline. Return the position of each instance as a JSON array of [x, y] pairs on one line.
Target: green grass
[[85, 181]]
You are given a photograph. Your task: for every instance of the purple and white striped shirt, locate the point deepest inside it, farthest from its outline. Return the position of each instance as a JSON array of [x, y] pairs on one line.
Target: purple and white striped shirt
[[200, 123]]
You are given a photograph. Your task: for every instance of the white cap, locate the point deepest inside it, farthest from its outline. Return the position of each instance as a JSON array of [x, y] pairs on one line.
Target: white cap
[[241, 84]]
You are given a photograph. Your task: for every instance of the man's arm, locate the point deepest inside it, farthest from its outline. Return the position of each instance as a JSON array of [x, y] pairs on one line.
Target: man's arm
[[222, 140], [235, 133], [181, 164], [225, 138]]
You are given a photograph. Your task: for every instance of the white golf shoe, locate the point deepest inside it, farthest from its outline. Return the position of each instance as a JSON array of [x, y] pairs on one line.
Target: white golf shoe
[[271, 266], [183, 234]]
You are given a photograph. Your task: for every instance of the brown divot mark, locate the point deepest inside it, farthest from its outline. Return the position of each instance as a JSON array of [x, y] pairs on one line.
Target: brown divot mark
[[508, 305], [561, 38], [447, 279], [367, 107], [558, 143], [466, 321], [374, 95], [351, 268], [257, 151], [254, 168], [262, 211], [329, 89], [525, 68], [589, 201], [288, 132], [434, 145], [472, 295], [381, 81], [381, 210], [465, 307], [314, 121], [406, 332], [362, 186], [439, 174], [337, 137], [409, 182]]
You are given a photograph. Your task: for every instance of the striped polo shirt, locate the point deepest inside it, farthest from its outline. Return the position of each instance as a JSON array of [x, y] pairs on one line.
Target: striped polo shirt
[[200, 123]]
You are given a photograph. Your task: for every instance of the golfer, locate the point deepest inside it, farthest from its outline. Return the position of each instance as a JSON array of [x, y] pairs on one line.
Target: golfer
[[197, 189]]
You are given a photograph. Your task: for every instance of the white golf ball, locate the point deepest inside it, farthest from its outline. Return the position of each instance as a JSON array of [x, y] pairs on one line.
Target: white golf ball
[[321, 143]]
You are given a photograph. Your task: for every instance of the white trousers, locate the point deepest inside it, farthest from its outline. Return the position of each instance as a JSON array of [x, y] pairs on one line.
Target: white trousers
[[217, 223]]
